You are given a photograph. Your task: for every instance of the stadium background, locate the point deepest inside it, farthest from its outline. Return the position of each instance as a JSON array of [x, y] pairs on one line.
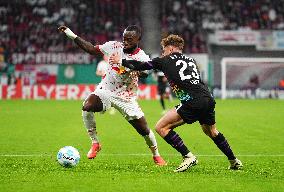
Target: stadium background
[[36, 61]]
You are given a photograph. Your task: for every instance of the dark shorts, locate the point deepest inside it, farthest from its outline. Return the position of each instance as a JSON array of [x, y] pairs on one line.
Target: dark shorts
[[162, 88], [201, 110]]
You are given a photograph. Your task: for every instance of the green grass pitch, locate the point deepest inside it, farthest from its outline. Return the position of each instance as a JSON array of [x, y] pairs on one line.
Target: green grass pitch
[[32, 132]]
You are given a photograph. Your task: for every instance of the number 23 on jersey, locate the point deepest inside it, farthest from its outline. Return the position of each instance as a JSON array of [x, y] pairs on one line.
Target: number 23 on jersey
[[191, 67]]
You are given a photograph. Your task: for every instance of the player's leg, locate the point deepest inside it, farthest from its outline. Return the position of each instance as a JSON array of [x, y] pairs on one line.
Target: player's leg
[[207, 122], [165, 127], [134, 115], [142, 128], [92, 104], [222, 144]]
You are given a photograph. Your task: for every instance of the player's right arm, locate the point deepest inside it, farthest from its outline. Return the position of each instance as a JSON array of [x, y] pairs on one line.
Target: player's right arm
[[115, 58], [137, 65], [83, 44], [134, 64]]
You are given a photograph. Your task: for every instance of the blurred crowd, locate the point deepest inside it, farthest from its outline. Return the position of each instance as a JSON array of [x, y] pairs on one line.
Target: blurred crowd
[[31, 25], [194, 18]]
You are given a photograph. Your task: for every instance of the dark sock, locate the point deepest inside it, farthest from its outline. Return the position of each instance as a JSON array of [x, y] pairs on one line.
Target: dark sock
[[176, 142], [162, 103], [224, 146]]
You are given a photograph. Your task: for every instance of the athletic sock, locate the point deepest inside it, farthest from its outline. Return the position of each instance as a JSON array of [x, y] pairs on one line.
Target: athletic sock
[[90, 124], [176, 142], [224, 146], [162, 103], [152, 143]]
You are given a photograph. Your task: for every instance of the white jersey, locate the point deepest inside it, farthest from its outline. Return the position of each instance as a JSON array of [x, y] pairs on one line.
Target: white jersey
[[121, 81]]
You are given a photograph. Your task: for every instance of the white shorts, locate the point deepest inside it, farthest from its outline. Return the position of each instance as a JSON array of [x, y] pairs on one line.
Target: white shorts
[[128, 108]]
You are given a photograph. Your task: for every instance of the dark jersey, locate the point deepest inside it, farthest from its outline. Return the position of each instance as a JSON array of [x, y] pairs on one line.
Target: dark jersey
[[182, 74]]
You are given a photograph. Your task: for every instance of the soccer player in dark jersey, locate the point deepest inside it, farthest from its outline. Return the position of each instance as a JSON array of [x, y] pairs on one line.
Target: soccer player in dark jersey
[[197, 103]]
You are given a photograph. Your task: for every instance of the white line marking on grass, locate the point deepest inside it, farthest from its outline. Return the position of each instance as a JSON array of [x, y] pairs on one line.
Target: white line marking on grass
[[24, 155], [200, 155], [142, 154]]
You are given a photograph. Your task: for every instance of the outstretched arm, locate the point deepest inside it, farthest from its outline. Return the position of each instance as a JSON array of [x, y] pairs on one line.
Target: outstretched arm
[[131, 64], [137, 65], [85, 45]]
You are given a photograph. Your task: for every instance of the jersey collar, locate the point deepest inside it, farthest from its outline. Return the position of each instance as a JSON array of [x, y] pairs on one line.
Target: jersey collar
[[134, 52]]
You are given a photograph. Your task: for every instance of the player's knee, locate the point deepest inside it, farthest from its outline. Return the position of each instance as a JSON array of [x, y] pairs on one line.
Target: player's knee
[[157, 128], [92, 104], [213, 133], [160, 129], [206, 131], [88, 107], [210, 132]]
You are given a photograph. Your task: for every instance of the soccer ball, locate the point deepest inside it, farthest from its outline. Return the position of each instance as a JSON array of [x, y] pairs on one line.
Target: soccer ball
[[68, 156]]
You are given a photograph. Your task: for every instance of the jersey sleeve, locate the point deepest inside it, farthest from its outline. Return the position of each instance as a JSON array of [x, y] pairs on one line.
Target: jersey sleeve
[[157, 63], [137, 65], [110, 47]]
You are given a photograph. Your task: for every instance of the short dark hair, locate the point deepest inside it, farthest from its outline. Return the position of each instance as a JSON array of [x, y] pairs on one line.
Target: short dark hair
[[135, 28], [173, 40]]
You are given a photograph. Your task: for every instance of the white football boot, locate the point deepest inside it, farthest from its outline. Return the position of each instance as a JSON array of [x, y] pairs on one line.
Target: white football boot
[[188, 161], [235, 164]]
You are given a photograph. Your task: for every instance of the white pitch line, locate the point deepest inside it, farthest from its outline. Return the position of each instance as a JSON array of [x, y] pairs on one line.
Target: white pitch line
[[199, 155], [143, 154], [24, 155]]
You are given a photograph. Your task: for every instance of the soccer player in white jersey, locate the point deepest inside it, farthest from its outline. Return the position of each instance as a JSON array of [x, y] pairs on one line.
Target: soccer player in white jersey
[[118, 88]]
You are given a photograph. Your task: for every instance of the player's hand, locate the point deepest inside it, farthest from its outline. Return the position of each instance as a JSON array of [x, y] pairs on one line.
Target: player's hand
[[115, 58], [67, 31], [62, 28]]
